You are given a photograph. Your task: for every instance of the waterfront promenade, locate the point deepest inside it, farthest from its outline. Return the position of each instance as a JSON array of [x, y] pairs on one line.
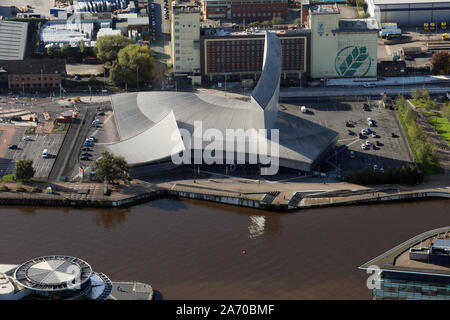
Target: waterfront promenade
[[282, 195]]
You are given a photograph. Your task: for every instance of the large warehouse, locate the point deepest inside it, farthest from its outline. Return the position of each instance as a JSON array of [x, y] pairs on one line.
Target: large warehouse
[[411, 13]]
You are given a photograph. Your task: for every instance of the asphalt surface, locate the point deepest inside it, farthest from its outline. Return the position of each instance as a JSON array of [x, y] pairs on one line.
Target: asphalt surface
[[392, 151], [33, 150]]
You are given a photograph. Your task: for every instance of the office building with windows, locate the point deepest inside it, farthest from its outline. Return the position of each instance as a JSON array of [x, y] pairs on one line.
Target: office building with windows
[[418, 269]]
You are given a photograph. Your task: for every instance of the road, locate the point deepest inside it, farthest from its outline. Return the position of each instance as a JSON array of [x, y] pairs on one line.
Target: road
[[328, 92]]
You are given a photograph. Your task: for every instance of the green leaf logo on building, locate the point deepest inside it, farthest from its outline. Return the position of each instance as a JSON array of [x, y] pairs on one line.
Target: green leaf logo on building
[[352, 61]]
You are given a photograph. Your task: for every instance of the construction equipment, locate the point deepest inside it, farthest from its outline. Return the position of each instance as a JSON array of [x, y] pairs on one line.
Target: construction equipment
[[432, 26], [426, 26], [444, 25], [444, 36]]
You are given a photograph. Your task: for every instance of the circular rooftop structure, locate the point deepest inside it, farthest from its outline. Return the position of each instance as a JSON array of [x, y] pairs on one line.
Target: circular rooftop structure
[[53, 273]]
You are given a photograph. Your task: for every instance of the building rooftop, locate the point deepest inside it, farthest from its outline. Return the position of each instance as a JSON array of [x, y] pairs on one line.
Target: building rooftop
[[34, 66], [324, 9], [185, 8], [380, 2], [398, 258], [13, 40], [358, 25]]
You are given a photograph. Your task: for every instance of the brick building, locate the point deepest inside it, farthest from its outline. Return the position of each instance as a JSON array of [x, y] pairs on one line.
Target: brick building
[[250, 10], [239, 55], [391, 68], [33, 74]]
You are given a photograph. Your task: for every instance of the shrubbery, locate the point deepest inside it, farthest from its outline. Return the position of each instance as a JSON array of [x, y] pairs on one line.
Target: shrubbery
[[404, 175], [424, 151]]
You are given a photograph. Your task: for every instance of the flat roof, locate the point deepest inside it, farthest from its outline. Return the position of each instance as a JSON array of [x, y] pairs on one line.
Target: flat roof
[[378, 2], [397, 258], [13, 39]]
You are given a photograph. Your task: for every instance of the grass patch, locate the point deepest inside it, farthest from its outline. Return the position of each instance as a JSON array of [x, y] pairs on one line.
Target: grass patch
[[8, 178], [419, 103], [60, 127], [431, 113], [442, 126], [421, 147]]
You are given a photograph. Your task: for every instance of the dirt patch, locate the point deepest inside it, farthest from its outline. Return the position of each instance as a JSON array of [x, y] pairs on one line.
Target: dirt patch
[[44, 127]]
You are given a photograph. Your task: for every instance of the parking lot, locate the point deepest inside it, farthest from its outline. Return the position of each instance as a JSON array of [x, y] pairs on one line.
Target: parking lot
[[392, 149], [33, 150], [104, 134]]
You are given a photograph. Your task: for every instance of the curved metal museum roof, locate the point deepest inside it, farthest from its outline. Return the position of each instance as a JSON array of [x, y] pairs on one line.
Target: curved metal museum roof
[[149, 123]]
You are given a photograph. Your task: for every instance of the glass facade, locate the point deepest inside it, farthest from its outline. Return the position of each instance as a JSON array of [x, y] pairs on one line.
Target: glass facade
[[403, 286]]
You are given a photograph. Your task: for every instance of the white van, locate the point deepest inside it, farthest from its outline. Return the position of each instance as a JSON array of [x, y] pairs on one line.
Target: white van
[[45, 153], [303, 109]]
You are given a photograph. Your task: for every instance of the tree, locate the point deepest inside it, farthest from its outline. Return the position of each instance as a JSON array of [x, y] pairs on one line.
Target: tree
[[425, 94], [110, 168], [440, 63], [134, 63], [297, 21], [24, 171], [446, 111], [108, 47], [66, 50], [52, 51], [82, 47], [416, 94], [277, 20]]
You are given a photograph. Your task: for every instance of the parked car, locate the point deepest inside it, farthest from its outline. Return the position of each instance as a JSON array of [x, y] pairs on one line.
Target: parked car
[[374, 135], [350, 132], [363, 146], [101, 113], [303, 109], [375, 167], [352, 154], [84, 158], [12, 146], [363, 132], [370, 85], [86, 154], [27, 138], [368, 143], [85, 149]]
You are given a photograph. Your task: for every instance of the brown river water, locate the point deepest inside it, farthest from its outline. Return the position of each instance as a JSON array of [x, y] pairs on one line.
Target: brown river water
[[196, 250]]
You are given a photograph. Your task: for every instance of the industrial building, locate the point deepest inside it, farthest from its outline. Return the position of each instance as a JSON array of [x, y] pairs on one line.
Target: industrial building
[[13, 40], [409, 13], [248, 10], [237, 55], [185, 33], [418, 269], [342, 47], [150, 125], [32, 75]]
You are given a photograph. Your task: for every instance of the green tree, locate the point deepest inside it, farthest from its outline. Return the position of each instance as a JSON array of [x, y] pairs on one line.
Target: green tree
[[440, 62], [446, 111], [266, 24], [66, 50], [425, 94], [297, 21], [23, 170], [108, 47], [82, 47], [52, 51], [416, 94], [110, 168], [134, 63], [277, 20]]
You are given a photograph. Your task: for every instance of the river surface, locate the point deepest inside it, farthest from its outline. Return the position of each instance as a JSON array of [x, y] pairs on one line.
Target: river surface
[[197, 250]]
